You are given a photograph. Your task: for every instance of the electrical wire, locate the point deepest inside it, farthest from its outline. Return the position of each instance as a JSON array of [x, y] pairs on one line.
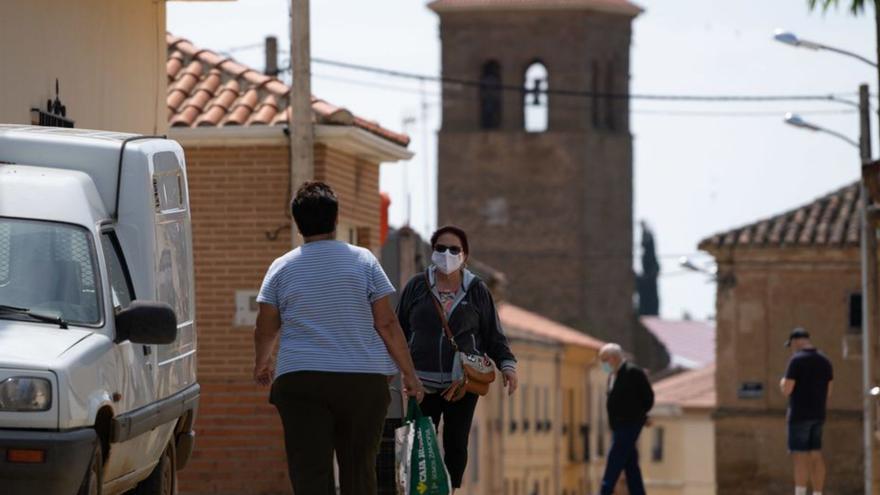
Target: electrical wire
[[637, 111], [830, 97]]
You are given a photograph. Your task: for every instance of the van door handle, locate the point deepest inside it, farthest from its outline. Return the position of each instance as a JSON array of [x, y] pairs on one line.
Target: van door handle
[[147, 350]]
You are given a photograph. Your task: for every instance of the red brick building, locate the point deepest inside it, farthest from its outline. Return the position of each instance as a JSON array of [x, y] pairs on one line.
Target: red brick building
[[798, 268], [231, 121]]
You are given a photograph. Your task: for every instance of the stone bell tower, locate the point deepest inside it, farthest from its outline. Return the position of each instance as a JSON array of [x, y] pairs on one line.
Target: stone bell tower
[[542, 180]]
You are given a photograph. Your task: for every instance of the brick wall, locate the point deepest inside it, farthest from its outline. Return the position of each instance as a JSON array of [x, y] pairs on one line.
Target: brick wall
[[773, 291], [238, 195], [356, 182], [551, 210]]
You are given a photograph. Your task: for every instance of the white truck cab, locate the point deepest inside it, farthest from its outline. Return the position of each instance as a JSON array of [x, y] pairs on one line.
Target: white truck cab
[[98, 390]]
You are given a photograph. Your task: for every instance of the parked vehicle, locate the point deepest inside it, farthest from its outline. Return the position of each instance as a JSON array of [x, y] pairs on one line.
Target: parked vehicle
[[98, 390]]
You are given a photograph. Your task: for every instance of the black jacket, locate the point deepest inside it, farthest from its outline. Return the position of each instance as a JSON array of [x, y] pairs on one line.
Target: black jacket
[[474, 322], [631, 397]]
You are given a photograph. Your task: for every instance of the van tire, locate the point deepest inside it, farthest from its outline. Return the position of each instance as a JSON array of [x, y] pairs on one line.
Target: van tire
[[163, 479], [94, 477]]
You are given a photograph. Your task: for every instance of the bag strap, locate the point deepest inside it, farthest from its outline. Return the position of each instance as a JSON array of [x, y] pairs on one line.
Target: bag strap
[[441, 313], [413, 411]]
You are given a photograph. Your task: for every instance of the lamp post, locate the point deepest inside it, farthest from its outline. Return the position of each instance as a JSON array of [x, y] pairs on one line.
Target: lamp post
[[869, 269], [869, 183], [790, 38], [795, 120]]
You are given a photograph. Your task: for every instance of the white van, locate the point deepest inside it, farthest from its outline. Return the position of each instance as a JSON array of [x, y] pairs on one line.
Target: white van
[[98, 389]]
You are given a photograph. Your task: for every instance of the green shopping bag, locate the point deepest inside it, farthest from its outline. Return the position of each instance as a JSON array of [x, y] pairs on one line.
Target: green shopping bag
[[420, 468]]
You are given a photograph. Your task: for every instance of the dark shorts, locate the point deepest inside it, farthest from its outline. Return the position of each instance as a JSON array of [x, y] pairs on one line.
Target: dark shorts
[[805, 436]]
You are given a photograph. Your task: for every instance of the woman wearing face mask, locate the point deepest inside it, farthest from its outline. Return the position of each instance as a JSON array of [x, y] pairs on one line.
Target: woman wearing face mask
[[473, 320]]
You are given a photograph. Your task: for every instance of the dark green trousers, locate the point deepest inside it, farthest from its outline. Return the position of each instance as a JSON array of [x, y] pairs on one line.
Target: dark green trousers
[[323, 413]]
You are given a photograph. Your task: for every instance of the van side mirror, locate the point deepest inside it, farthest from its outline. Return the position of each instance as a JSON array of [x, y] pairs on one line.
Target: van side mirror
[[147, 322]]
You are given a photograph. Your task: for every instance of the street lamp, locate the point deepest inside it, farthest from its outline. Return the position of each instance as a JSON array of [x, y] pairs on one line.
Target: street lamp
[[790, 38], [870, 185], [688, 264], [795, 120]]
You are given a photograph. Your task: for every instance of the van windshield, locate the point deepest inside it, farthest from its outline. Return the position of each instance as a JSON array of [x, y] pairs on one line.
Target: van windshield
[[48, 268]]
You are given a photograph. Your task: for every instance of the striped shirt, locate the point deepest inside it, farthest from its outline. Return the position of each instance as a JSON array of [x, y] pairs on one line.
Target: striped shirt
[[324, 292]]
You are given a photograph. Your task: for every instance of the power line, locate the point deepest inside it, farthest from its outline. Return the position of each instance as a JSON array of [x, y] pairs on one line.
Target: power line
[[724, 113], [637, 111], [831, 97]]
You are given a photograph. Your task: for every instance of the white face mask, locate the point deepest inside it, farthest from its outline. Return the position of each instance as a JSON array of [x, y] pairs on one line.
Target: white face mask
[[447, 262]]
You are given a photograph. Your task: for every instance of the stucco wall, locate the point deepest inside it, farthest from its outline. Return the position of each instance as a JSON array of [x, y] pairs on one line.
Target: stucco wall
[[687, 466], [108, 55]]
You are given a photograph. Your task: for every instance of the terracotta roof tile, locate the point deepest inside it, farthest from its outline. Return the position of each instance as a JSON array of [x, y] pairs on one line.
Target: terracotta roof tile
[[831, 220], [265, 111], [207, 89], [540, 326], [689, 390]]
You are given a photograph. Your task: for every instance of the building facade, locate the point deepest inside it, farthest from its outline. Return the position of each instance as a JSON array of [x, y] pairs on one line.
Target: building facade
[[677, 451], [544, 180], [799, 268], [541, 440], [108, 58]]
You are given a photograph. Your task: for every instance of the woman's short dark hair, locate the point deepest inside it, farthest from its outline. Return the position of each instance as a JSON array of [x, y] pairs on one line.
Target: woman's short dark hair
[[315, 208], [451, 229]]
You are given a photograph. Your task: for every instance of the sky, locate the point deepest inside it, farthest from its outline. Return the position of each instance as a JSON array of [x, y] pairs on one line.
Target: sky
[[699, 168]]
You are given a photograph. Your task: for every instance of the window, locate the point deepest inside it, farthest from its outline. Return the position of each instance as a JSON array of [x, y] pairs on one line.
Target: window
[[525, 407], [585, 431], [610, 101], [547, 423], [535, 99], [347, 233], [490, 95], [855, 312], [539, 423], [499, 422], [595, 111], [49, 267], [167, 183], [511, 409], [657, 447], [120, 282]]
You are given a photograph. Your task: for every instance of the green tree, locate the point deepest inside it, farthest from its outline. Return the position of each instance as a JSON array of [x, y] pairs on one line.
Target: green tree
[[857, 7]]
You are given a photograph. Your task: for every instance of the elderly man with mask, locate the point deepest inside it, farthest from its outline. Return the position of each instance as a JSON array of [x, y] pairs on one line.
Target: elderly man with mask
[[630, 397]]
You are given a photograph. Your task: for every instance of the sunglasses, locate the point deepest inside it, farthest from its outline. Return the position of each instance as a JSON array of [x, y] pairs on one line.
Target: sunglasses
[[453, 250]]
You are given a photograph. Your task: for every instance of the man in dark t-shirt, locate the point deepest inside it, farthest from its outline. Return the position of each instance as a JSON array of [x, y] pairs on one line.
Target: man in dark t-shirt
[[807, 384]]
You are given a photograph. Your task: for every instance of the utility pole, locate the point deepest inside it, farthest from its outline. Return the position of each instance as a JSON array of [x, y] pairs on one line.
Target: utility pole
[[869, 291], [302, 167]]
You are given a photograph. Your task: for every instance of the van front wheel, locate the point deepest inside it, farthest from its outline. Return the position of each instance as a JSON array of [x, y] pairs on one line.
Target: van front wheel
[[163, 479], [94, 476]]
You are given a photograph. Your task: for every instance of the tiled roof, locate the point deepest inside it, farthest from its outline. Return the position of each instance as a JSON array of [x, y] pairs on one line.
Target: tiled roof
[[610, 6], [830, 221], [691, 344], [689, 390], [519, 319], [206, 89]]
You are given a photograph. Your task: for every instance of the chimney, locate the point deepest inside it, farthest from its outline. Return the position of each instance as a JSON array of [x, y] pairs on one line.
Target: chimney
[[271, 56]]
